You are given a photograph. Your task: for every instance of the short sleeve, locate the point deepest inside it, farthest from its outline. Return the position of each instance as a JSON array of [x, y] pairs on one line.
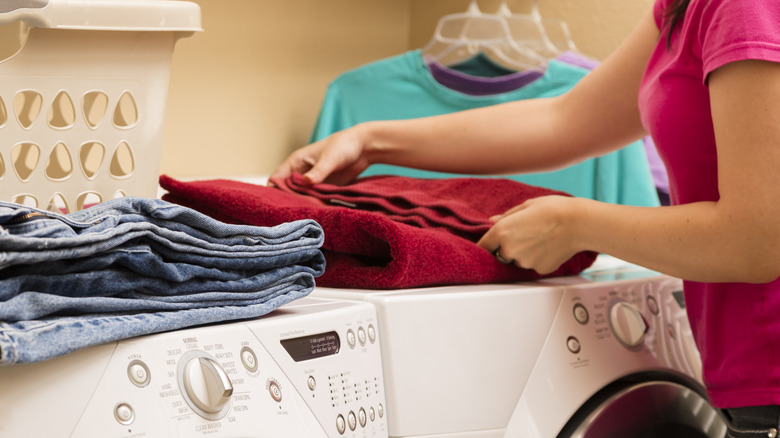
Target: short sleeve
[[736, 30]]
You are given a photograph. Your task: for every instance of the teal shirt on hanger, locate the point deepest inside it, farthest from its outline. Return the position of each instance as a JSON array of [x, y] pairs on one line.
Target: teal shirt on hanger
[[402, 87]]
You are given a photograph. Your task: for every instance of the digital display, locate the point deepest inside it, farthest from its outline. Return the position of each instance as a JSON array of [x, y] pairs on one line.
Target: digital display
[[312, 346], [680, 297]]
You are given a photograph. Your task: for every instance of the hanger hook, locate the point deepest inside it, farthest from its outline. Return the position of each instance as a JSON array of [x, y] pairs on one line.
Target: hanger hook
[[504, 10], [474, 8], [535, 9]]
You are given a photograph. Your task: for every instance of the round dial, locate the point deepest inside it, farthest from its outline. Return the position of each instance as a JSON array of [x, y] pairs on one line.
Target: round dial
[[628, 324], [205, 385]]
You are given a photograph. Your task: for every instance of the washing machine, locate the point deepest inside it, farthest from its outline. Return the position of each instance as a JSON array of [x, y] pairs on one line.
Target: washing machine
[[309, 369], [605, 354]]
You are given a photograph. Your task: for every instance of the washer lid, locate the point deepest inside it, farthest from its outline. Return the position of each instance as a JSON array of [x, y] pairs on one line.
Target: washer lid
[[135, 15]]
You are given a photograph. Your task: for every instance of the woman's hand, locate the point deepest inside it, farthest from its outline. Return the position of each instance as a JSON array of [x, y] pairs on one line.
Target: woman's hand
[[537, 234], [338, 159]]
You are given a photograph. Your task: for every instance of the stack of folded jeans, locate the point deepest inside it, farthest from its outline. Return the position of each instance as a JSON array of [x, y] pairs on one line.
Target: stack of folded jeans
[[133, 266]]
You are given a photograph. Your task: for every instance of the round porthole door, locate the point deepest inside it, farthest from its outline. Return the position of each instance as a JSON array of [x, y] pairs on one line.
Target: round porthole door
[[649, 409]]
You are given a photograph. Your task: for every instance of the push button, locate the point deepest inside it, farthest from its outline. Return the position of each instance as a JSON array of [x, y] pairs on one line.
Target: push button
[[573, 344], [351, 421], [362, 417], [671, 332], [581, 314], [312, 383], [276, 392], [249, 359], [138, 373], [124, 414], [362, 336], [652, 304], [351, 338], [341, 425]]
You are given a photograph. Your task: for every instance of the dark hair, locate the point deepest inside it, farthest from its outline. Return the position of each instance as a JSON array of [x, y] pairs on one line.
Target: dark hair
[[673, 14]]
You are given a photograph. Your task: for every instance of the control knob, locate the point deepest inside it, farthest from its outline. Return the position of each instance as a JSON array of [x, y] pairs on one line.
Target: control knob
[[628, 324], [205, 385]]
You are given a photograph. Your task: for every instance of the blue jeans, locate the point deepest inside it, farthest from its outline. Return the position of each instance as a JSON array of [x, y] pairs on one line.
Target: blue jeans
[[753, 422], [135, 266]]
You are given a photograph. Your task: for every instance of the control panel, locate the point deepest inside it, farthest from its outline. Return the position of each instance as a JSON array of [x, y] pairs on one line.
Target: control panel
[[645, 317], [310, 369], [626, 324]]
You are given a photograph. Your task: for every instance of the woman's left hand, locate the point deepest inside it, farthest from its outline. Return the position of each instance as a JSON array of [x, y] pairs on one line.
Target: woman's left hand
[[537, 234]]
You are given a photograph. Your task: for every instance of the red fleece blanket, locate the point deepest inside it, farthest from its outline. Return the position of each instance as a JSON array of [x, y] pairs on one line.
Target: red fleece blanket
[[377, 249]]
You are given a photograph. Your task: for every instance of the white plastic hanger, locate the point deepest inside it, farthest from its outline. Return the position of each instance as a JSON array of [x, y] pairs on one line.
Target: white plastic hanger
[[461, 36], [528, 31], [548, 37]]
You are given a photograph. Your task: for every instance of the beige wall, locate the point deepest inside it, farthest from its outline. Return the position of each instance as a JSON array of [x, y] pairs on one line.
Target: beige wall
[[247, 91]]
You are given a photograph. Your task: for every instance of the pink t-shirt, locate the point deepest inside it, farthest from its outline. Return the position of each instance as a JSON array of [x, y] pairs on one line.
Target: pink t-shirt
[[737, 326]]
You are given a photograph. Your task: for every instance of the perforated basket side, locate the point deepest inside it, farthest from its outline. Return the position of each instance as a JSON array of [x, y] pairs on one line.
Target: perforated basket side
[[82, 116]]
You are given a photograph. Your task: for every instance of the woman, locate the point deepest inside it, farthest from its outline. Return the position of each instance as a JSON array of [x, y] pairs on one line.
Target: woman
[[702, 77]]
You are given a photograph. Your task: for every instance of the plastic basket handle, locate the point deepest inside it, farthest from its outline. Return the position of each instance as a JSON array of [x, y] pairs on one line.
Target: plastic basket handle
[[136, 15], [23, 10]]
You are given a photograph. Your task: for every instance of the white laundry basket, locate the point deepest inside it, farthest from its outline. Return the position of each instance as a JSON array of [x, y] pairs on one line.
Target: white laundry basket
[[82, 103]]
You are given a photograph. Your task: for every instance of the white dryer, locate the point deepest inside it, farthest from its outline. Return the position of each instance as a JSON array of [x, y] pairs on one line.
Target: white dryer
[[302, 371], [605, 354]]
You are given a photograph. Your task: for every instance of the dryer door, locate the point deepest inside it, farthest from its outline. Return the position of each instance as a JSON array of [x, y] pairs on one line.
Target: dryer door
[[648, 409]]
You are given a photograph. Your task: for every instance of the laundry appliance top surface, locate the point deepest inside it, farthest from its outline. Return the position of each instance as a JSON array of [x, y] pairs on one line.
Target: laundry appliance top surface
[[460, 359]]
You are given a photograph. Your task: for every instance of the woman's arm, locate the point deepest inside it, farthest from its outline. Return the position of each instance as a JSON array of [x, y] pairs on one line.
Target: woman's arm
[[597, 116], [736, 239]]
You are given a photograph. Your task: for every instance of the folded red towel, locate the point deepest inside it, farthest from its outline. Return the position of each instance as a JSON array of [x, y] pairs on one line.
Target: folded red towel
[[462, 206], [362, 249]]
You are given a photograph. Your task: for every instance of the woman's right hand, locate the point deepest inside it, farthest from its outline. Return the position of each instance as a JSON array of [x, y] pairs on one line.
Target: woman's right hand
[[337, 159]]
